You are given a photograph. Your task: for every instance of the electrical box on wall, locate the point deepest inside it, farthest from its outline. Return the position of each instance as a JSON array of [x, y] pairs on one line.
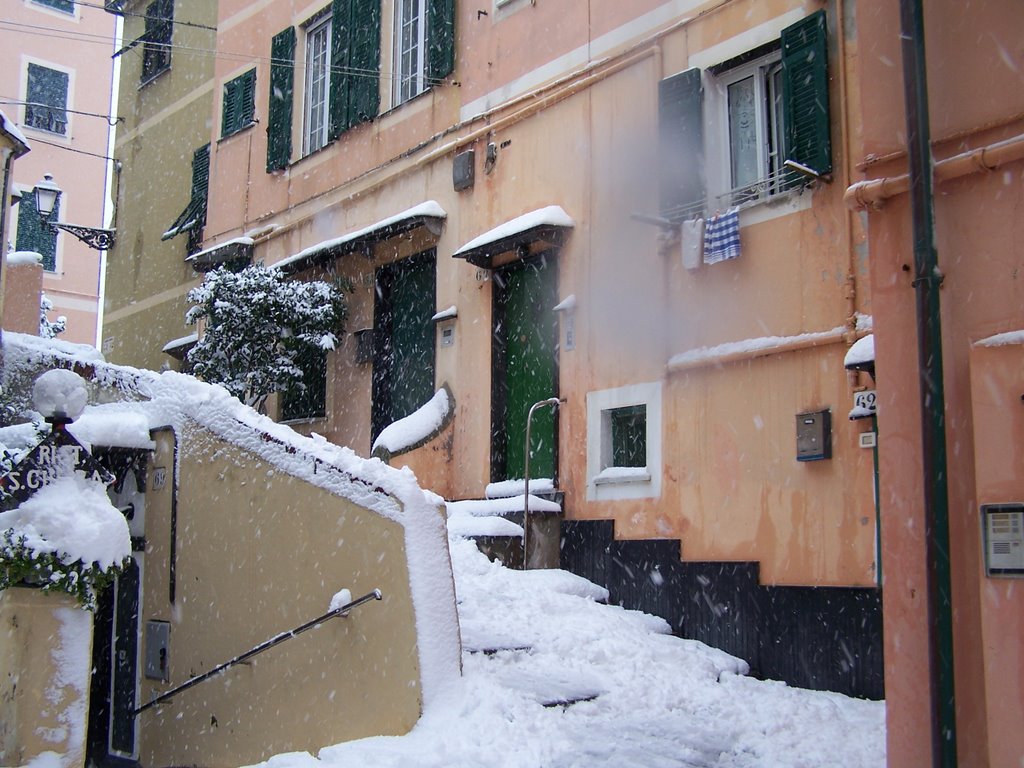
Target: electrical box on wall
[[464, 170], [1003, 535], [158, 640], [814, 436]]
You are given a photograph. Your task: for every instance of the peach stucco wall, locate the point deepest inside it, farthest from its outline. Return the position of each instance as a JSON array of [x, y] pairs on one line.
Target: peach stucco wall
[[22, 284], [732, 487], [978, 231]]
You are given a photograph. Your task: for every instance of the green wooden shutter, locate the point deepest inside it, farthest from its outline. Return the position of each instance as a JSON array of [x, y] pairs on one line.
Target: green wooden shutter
[[340, 82], [282, 84], [229, 109], [681, 129], [805, 93], [239, 103], [201, 182], [33, 234], [247, 99], [364, 58], [440, 40], [355, 64]]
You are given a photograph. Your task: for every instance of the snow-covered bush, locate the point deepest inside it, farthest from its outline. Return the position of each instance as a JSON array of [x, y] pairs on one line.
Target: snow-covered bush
[[66, 537], [48, 329], [257, 324]]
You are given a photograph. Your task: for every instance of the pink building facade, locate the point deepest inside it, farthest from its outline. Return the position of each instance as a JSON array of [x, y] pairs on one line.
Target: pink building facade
[[55, 84]]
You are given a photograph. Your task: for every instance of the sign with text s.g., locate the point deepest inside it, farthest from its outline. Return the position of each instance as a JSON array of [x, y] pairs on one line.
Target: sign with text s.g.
[[58, 452]]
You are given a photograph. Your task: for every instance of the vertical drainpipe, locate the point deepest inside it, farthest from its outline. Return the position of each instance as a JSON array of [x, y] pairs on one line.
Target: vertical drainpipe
[[927, 282]]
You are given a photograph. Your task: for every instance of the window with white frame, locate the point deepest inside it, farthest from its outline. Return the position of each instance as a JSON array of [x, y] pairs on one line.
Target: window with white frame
[[749, 125], [751, 110], [317, 86], [624, 442], [410, 49]]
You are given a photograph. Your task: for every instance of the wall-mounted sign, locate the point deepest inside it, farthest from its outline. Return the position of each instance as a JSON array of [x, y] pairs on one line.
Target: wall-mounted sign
[[865, 400], [41, 466]]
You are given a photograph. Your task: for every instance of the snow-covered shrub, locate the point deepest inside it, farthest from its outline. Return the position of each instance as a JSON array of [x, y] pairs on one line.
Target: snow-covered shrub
[[256, 325], [66, 537], [48, 329]]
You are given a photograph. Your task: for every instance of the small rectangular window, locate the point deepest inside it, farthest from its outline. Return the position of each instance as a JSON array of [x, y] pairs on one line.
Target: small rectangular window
[[317, 90], [156, 50], [629, 436], [239, 106], [46, 95]]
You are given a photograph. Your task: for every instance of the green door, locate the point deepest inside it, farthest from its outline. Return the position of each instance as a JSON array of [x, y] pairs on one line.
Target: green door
[[525, 368], [403, 361]]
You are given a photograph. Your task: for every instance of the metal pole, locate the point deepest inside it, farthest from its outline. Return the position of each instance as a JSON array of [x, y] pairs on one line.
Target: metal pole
[[264, 646], [553, 402], [927, 282]]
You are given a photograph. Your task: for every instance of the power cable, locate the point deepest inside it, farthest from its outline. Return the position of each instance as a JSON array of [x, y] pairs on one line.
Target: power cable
[[144, 16], [222, 55], [111, 120]]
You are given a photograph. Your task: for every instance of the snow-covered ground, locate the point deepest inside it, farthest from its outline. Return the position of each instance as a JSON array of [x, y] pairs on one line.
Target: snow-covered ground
[[646, 698]]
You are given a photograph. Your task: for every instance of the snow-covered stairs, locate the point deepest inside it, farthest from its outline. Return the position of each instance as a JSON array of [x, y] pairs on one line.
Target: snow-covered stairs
[[495, 522]]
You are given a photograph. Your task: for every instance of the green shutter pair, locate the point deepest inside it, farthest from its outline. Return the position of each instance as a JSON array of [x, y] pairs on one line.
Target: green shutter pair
[[806, 110], [355, 69], [239, 106]]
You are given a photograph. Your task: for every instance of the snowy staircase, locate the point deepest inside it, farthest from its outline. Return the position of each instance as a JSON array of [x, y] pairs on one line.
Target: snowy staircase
[[495, 522]]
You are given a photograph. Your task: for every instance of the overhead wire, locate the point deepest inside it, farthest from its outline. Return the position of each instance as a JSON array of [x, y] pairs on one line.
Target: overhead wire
[[144, 16], [36, 140], [112, 120], [49, 32]]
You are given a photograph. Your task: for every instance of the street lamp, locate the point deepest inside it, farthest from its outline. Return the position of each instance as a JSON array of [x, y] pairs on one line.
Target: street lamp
[[47, 193]]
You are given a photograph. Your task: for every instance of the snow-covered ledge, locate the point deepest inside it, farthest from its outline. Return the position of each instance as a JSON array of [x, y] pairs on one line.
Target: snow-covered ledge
[[418, 428]]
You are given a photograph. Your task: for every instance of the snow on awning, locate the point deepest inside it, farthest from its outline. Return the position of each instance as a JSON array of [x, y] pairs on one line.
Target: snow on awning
[[861, 356], [546, 227], [237, 250], [429, 214], [178, 348]]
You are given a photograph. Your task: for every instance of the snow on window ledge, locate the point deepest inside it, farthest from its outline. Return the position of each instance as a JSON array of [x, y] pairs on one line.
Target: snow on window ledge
[[610, 475]]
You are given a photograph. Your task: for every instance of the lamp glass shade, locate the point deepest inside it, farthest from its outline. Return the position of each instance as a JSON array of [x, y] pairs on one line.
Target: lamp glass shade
[[46, 193]]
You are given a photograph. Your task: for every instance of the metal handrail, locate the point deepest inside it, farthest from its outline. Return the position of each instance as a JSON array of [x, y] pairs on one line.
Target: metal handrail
[[264, 646], [552, 402]]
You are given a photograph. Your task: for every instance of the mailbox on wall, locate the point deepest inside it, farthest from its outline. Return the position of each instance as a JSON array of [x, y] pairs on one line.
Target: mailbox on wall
[[814, 436], [1003, 535], [158, 639]]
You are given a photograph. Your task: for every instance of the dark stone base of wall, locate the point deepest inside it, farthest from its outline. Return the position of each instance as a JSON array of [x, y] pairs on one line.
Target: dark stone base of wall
[[823, 638]]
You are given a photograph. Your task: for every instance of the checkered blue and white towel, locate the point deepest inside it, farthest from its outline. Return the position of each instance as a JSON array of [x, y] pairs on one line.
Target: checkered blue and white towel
[[722, 237]]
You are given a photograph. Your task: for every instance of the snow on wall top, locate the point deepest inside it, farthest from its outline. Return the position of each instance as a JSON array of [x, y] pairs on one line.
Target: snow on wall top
[[1002, 339], [552, 215], [23, 257], [431, 209], [176, 399], [764, 344]]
